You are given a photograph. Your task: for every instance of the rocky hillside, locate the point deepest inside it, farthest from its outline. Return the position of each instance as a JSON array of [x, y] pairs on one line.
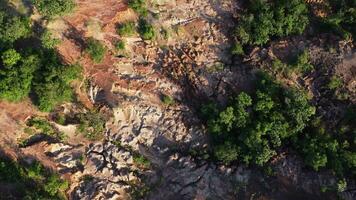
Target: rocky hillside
[[134, 129]]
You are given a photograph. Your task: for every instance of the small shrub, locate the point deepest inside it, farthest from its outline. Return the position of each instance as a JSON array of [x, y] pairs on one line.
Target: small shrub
[[120, 45], [48, 41], [141, 160], [146, 30], [341, 185], [237, 49], [42, 125], [167, 100], [138, 6], [126, 29], [96, 50], [335, 83]]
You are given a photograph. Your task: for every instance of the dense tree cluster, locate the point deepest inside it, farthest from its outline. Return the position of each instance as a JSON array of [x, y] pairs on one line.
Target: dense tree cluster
[[24, 70], [265, 19], [252, 127]]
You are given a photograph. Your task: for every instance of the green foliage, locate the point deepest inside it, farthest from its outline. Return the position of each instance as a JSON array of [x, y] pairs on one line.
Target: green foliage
[[141, 160], [48, 41], [12, 27], [322, 149], [126, 29], [42, 125], [32, 181], [301, 65], [138, 6], [146, 30], [342, 19], [96, 50], [120, 45], [52, 8], [335, 83], [91, 124], [16, 74], [341, 185], [167, 100], [52, 79], [237, 49], [10, 58], [252, 128], [266, 19], [31, 70]]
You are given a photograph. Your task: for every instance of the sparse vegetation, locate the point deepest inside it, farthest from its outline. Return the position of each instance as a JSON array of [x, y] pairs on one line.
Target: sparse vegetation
[[91, 124]]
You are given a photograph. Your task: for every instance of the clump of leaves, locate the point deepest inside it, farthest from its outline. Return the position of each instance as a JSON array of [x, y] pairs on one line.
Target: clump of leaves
[[91, 124], [126, 29], [96, 50], [146, 30]]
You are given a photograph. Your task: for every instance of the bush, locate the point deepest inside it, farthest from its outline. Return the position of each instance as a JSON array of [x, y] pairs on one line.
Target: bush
[[96, 50], [146, 30], [138, 6], [126, 29], [52, 8]]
